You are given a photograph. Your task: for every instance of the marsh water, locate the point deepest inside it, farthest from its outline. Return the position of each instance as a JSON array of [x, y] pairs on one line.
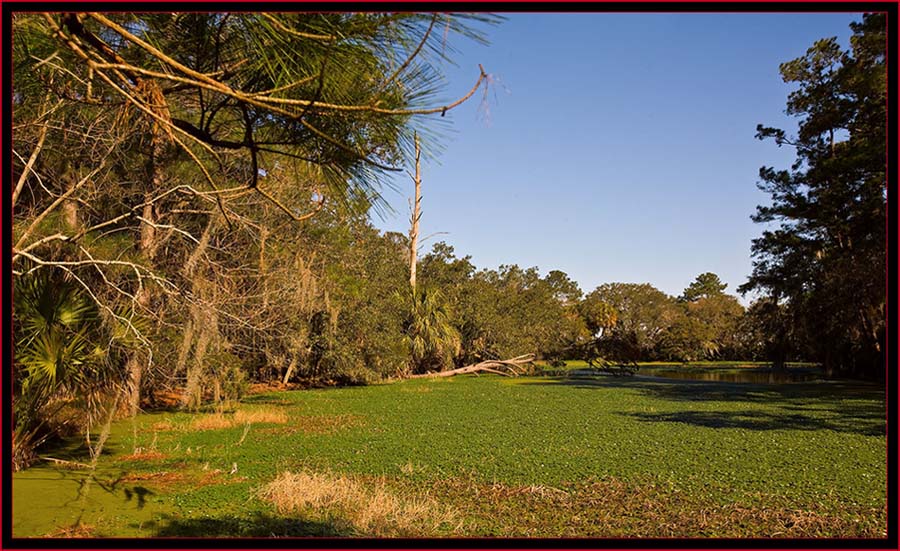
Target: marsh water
[[765, 376]]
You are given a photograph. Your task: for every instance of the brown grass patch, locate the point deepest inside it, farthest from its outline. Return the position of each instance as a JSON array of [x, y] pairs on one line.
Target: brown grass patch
[[274, 386], [218, 478], [217, 421], [78, 530], [242, 417], [144, 455], [166, 480], [162, 479], [613, 508], [162, 426], [362, 506]]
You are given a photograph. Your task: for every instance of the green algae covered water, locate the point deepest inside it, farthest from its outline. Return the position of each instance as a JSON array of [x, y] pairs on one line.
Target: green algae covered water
[[57, 502], [817, 447]]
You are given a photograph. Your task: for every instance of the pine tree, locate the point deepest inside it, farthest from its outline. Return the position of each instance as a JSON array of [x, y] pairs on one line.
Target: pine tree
[[826, 260]]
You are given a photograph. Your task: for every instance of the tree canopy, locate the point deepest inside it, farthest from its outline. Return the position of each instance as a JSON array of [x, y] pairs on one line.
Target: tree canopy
[[824, 265]]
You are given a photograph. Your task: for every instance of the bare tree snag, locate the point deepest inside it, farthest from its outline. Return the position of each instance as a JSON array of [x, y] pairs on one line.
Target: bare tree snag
[[414, 219], [263, 234], [290, 369], [512, 367]]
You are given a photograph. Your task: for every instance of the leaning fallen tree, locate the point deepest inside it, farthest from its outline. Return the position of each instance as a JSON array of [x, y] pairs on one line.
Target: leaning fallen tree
[[512, 367]]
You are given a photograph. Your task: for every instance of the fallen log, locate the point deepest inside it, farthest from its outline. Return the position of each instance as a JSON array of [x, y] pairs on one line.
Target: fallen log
[[512, 367]]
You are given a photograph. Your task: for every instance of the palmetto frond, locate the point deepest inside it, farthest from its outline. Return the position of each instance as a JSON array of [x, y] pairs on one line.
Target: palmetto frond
[[430, 334], [53, 319]]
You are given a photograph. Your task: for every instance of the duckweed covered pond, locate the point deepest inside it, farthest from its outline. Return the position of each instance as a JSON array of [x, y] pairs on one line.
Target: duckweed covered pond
[[538, 456]]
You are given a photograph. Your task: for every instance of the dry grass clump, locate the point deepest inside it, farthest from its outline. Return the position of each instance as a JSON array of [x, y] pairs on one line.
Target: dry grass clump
[[218, 421], [77, 530], [214, 421], [242, 417], [364, 507]]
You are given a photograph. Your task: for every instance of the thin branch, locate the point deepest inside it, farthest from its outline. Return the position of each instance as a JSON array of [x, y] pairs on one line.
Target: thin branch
[[28, 165], [294, 84], [409, 59], [38, 243], [294, 217], [168, 227], [280, 26], [430, 235], [57, 202], [268, 101], [66, 267]]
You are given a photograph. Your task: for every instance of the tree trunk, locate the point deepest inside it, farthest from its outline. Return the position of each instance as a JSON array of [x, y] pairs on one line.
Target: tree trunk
[[200, 324], [192, 395], [263, 233], [135, 365], [414, 221], [290, 369], [70, 214], [186, 342], [160, 142], [510, 367]]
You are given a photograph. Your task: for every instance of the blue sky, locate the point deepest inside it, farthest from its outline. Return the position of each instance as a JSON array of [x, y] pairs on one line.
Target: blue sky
[[618, 147]]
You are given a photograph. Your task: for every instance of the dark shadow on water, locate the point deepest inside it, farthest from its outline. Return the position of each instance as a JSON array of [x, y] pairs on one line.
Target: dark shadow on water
[[84, 483], [139, 493], [73, 448], [759, 376], [842, 406], [755, 420], [259, 525]]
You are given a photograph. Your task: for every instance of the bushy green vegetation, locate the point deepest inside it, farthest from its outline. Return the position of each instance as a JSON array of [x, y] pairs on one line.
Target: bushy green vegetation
[[555, 456], [822, 263], [204, 181]]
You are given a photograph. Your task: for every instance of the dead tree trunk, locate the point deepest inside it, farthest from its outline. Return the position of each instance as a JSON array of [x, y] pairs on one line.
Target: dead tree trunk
[[264, 279], [414, 220], [197, 334], [512, 367], [290, 369]]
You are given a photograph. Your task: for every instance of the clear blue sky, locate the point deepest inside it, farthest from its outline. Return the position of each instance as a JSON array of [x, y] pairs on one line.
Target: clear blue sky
[[618, 147]]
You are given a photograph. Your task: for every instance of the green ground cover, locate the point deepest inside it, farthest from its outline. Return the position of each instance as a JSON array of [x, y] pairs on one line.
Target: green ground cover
[[535, 456]]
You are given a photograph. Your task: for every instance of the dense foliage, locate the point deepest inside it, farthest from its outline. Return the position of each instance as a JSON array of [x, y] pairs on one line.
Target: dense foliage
[[202, 182], [823, 268]]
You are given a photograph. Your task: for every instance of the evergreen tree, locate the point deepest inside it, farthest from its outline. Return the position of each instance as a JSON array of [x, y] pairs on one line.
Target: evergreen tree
[[826, 260]]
